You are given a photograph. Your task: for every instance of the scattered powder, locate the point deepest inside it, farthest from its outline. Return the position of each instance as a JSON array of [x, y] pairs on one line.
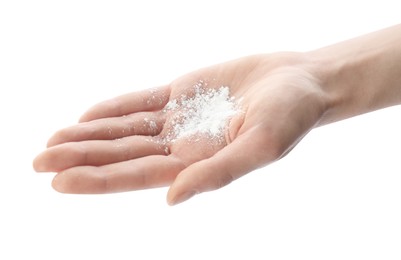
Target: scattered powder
[[171, 105], [118, 142], [208, 113], [110, 130], [155, 98], [151, 124]]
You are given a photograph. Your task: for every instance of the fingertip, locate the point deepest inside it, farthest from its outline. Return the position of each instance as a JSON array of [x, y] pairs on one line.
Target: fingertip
[[106, 108], [80, 180], [174, 197], [65, 183], [57, 184], [85, 117], [41, 163], [52, 142], [37, 164], [183, 188], [57, 138], [171, 196]]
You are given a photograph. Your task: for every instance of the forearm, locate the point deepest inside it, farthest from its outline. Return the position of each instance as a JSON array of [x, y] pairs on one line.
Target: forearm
[[360, 75]]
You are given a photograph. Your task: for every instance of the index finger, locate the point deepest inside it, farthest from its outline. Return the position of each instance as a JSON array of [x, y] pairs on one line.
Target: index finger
[[145, 100]]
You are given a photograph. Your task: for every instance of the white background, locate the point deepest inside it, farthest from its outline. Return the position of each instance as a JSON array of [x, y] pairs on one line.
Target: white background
[[336, 196]]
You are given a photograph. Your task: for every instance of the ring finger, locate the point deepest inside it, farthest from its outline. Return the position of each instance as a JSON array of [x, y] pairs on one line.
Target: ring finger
[[97, 152]]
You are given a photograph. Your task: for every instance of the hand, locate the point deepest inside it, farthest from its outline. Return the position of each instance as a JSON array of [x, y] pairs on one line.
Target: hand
[[116, 145]]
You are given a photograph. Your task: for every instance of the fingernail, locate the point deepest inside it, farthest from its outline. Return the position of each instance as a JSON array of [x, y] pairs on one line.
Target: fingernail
[[182, 197]]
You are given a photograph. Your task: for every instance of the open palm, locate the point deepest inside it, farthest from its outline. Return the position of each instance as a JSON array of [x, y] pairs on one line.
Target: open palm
[[116, 146]]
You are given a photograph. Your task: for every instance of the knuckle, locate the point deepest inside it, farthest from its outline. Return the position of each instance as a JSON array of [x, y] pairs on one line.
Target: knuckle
[[77, 150], [223, 180]]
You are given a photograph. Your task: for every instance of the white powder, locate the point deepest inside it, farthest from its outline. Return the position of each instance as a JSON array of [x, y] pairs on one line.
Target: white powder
[[207, 113], [150, 124]]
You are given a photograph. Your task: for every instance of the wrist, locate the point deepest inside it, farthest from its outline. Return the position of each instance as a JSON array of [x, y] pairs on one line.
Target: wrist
[[359, 75], [341, 78]]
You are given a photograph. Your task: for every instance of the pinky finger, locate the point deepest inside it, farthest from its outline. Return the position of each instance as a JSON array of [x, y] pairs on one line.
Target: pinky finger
[[136, 174]]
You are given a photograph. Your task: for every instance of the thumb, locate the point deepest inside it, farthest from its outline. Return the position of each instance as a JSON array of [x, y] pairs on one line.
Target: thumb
[[246, 153]]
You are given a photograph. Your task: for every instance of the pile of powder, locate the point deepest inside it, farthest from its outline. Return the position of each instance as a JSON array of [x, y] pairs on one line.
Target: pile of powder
[[207, 113]]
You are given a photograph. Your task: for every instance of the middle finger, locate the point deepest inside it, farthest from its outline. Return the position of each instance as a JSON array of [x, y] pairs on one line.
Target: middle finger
[[143, 123]]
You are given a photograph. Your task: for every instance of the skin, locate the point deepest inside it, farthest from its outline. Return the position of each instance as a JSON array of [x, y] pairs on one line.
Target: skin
[[113, 148]]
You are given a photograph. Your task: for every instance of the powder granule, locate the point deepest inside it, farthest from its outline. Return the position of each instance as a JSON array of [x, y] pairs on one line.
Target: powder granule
[[207, 113]]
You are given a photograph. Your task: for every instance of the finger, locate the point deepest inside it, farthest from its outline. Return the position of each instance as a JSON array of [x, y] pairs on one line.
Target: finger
[[143, 173], [146, 100], [145, 123], [96, 153], [225, 166]]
